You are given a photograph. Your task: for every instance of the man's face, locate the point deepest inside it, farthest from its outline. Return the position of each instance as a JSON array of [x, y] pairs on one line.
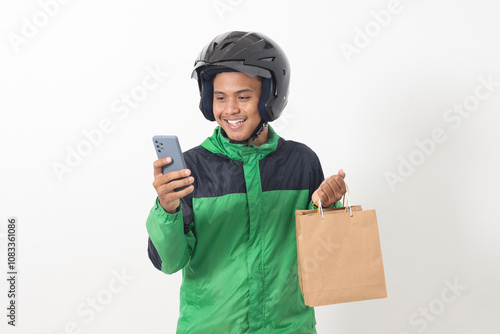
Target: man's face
[[235, 105]]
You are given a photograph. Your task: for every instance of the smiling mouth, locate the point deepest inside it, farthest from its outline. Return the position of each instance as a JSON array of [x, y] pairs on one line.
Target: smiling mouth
[[235, 123]]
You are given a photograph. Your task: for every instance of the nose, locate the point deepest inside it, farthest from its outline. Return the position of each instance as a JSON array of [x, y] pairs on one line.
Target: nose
[[232, 106]]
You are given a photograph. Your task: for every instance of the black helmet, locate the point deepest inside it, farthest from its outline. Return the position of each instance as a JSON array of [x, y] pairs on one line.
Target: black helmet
[[250, 53]]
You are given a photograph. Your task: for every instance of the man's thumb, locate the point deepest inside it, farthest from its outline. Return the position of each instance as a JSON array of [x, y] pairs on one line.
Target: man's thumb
[[342, 173]]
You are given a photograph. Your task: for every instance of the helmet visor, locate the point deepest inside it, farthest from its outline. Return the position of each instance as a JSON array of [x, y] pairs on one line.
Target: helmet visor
[[249, 70]]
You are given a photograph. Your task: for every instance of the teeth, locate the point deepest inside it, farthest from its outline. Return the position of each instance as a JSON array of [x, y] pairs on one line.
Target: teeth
[[235, 122]]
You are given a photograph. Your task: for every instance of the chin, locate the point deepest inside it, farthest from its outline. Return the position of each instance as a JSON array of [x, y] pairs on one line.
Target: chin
[[238, 136]]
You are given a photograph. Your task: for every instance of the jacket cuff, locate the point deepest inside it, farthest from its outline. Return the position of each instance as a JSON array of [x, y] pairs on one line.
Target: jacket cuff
[[166, 216], [167, 236]]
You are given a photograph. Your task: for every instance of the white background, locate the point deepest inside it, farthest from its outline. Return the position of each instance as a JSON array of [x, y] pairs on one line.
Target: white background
[[363, 113]]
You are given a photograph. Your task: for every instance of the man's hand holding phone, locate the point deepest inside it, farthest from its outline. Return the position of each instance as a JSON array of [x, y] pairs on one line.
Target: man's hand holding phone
[[165, 185]]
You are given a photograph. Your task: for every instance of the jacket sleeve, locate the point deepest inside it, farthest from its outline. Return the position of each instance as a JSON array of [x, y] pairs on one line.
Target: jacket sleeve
[[171, 237]]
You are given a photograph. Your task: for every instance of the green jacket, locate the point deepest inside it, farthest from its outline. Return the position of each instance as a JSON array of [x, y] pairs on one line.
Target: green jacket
[[234, 237]]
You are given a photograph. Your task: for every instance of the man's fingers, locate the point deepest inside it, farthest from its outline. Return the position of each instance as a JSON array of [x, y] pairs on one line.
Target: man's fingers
[[329, 190], [173, 195], [158, 164], [323, 197], [334, 188], [158, 169], [178, 174], [161, 178], [166, 184], [186, 191], [169, 182], [341, 185], [171, 186]]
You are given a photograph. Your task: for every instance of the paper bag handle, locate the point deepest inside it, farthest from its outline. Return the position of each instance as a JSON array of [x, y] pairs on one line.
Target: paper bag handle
[[346, 195]]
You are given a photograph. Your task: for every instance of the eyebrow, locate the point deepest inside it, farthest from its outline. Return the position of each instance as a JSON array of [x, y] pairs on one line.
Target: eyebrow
[[238, 92]]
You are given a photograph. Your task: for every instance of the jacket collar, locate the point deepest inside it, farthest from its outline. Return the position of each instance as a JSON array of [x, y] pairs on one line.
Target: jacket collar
[[218, 143]]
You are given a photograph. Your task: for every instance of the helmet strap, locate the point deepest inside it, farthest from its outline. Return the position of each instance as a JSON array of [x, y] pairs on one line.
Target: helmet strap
[[258, 130]]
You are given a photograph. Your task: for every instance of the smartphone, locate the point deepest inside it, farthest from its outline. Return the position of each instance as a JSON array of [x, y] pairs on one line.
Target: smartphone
[[168, 146]]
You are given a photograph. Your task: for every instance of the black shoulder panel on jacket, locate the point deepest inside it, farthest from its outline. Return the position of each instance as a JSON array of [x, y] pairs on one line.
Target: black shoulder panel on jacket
[[214, 174], [293, 166]]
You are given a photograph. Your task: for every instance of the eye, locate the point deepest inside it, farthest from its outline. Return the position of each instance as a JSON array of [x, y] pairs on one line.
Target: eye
[[244, 98]]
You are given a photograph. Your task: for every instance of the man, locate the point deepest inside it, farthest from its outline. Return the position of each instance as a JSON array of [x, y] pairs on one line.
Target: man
[[232, 229]]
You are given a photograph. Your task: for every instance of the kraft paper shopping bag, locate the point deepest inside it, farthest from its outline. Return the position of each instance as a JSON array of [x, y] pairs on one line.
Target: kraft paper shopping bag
[[339, 256]]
